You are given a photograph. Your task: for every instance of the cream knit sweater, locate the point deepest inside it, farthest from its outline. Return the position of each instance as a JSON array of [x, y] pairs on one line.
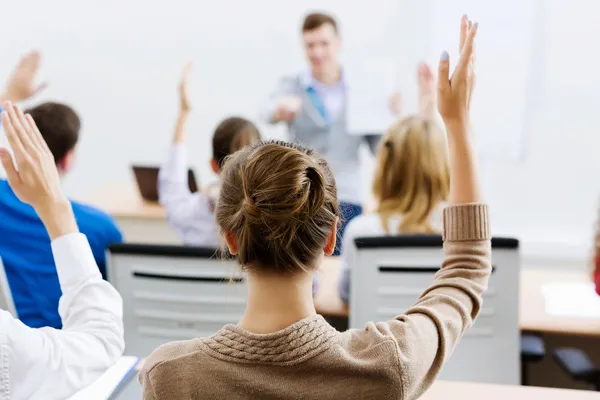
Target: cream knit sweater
[[396, 359]]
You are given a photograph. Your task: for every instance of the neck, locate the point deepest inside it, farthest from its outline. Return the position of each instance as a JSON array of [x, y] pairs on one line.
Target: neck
[[277, 301], [328, 77]]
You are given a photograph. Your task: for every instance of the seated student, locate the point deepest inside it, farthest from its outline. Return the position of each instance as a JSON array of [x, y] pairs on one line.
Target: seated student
[[47, 363], [411, 181], [24, 244], [192, 215], [279, 211]]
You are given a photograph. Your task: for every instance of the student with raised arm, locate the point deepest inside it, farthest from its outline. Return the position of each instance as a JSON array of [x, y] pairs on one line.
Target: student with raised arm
[[47, 363], [411, 182], [279, 211], [192, 215]]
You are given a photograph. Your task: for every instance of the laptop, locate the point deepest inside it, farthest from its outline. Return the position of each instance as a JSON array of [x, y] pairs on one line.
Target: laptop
[[147, 181]]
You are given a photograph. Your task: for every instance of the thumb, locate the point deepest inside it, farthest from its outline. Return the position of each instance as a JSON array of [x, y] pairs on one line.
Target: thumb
[[444, 72], [40, 87], [9, 167]]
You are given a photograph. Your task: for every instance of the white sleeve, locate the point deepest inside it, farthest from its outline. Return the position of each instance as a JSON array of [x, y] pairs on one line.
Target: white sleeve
[[186, 211], [53, 364]]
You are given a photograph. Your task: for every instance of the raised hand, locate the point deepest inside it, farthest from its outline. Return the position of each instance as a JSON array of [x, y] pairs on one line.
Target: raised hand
[[425, 82], [21, 84], [454, 103], [35, 179], [396, 103], [184, 99], [454, 92]]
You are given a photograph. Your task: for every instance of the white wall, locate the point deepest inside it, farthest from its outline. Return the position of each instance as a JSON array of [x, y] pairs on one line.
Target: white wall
[[118, 64]]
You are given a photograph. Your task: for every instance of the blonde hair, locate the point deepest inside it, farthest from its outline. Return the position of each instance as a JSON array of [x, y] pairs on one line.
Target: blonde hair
[[412, 175], [279, 200]]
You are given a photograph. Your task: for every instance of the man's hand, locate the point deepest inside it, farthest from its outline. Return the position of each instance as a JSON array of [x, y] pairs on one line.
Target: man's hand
[[20, 85], [396, 103], [184, 99], [287, 109], [35, 179]]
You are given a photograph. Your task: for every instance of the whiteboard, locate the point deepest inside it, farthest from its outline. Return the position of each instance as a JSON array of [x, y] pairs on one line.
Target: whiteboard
[[118, 63]]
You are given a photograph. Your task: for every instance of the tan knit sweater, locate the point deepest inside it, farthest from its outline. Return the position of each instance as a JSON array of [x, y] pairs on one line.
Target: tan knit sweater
[[397, 359]]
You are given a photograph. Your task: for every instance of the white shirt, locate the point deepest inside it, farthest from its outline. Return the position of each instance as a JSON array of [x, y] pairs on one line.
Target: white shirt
[[191, 215], [368, 225], [47, 363]]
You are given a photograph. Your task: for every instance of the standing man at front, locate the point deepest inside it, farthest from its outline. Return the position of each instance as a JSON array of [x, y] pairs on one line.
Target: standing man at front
[[313, 104]]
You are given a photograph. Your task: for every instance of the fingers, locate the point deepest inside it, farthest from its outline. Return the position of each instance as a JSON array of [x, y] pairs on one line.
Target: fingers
[[467, 51], [40, 87], [9, 167], [444, 72], [464, 21], [186, 71], [11, 134], [18, 132], [37, 135], [22, 128]]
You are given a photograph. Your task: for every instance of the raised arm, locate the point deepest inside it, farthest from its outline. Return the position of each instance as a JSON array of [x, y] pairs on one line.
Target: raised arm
[[46, 362], [426, 84], [428, 332], [184, 208], [20, 85]]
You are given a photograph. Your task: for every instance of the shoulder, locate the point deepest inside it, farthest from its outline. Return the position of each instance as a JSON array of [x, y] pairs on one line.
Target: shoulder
[[372, 343], [171, 353]]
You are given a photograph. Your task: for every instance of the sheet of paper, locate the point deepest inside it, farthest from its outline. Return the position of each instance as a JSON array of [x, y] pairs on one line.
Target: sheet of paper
[[102, 388], [571, 300], [369, 89]]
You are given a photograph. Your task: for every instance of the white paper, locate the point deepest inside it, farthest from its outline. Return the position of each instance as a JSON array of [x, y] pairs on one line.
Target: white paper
[[571, 300], [370, 86], [102, 388]]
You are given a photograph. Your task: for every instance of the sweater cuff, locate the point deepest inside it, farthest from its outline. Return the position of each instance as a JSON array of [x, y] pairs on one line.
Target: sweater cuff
[[466, 222]]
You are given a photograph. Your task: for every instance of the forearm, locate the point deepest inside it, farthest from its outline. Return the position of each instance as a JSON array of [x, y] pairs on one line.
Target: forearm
[[180, 127], [464, 174], [58, 218]]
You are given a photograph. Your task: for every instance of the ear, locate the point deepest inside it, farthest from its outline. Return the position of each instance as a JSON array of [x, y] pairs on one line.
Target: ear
[[214, 164], [67, 162], [331, 240], [231, 242]]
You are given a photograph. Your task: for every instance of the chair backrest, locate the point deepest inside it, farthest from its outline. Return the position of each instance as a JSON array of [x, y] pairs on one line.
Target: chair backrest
[[391, 273], [174, 293], [6, 299]]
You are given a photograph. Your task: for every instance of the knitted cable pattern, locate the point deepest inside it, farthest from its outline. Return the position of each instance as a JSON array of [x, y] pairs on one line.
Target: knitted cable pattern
[[297, 342]]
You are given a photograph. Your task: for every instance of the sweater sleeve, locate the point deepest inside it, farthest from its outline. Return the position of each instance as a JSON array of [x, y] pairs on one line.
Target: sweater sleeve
[[428, 332]]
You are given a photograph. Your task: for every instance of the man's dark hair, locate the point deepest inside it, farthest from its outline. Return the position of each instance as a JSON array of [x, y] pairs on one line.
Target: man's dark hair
[[59, 125], [316, 20]]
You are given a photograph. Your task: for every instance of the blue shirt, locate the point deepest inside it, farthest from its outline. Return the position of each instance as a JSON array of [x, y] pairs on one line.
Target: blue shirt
[[27, 256]]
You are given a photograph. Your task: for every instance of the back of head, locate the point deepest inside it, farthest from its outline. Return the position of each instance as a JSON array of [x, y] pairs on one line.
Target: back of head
[[59, 125], [280, 202], [231, 135], [412, 175]]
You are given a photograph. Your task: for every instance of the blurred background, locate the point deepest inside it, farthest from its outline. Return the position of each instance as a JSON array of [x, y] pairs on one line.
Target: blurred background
[[118, 63]]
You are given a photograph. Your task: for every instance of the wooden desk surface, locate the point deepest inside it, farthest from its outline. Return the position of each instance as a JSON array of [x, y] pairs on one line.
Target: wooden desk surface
[[442, 390], [533, 316], [125, 201]]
